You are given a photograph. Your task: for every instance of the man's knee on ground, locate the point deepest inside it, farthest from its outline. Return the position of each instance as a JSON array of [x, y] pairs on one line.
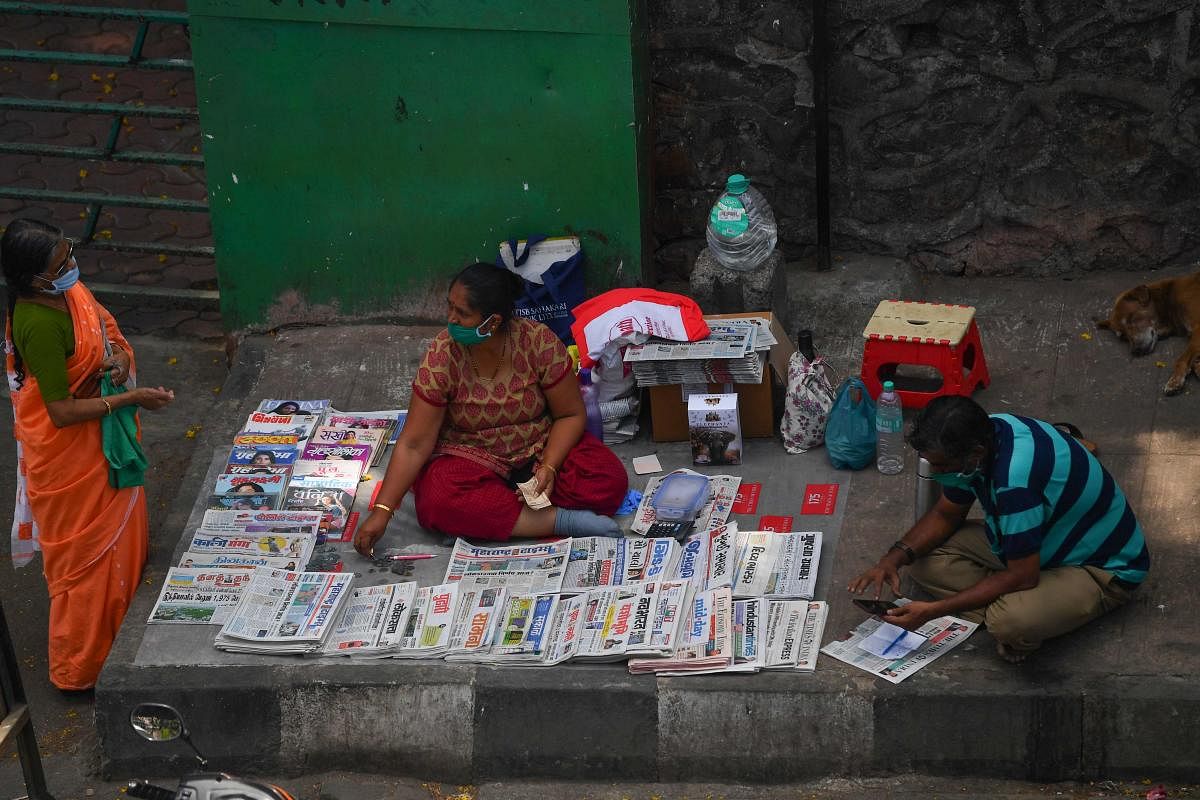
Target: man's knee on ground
[[1021, 630]]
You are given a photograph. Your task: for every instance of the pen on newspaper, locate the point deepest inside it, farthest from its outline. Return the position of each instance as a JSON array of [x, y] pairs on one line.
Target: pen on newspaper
[[411, 556], [895, 641]]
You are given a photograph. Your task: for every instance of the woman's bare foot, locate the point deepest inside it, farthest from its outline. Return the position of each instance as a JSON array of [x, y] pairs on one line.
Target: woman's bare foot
[[1010, 655]]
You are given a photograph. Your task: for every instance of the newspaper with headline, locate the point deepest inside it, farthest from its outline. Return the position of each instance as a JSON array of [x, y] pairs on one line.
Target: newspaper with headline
[[373, 621], [777, 565], [199, 596], [533, 568], [285, 612], [942, 635]]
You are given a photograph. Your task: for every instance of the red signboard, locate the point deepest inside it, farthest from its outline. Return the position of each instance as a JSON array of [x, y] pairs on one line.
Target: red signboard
[[819, 498]]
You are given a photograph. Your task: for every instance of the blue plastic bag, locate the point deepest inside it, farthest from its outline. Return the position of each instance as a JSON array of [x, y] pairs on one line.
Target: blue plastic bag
[[850, 434], [550, 295]]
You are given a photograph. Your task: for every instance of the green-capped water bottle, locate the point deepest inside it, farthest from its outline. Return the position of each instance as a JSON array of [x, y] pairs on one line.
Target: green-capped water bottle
[[741, 228]]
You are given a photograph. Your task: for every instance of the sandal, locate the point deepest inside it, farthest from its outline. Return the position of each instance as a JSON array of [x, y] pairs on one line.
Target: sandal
[[1067, 429]]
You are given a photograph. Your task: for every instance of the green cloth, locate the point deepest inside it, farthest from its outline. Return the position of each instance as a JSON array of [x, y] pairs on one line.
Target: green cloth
[[118, 433], [44, 337]]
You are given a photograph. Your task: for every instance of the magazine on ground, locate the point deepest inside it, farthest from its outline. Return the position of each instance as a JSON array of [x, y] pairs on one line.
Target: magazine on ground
[[330, 435], [283, 612], [262, 455], [373, 621], [777, 565], [942, 635], [243, 501], [300, 425], [266, 482], [198, 596], [291, 407], [357, 453], [533, 568]]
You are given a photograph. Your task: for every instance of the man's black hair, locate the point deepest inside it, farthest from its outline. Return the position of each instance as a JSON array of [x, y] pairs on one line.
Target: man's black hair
[[952, 426]]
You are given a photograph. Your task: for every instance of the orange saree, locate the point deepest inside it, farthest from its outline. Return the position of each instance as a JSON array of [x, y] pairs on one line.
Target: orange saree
[[93, 537]]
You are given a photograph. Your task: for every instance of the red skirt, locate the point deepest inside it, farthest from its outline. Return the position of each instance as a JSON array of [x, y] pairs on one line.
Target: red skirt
[[459, 497]]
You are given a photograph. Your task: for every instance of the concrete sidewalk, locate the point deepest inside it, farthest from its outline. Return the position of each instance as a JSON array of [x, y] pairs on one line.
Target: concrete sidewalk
[[1113, 700]]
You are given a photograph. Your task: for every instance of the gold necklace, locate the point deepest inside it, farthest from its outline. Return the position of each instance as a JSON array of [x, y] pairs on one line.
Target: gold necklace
[[499, 362]]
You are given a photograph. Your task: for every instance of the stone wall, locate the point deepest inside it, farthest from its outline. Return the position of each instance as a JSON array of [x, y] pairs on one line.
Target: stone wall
[[968, 136]]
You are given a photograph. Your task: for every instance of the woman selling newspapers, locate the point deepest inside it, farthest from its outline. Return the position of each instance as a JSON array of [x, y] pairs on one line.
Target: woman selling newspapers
[[494, 403], [79, 481]]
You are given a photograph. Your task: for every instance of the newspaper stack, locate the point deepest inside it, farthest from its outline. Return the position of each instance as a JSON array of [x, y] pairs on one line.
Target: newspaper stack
[[373, 622], [709, 559], [389, 422], [670, 605], [288, 552], [199, 596], [708, 641], [283, 612], [598, 561], [427, 634], [777, 565], [533, 568], [732, 353], [612, 617], [538, 630], [478, 614]]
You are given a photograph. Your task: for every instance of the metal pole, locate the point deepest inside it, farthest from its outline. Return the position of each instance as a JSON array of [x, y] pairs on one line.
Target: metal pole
[[820, 63]]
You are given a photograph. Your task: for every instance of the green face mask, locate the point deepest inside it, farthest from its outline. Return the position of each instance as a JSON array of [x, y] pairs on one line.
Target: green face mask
[[956, 480], [465, 335]]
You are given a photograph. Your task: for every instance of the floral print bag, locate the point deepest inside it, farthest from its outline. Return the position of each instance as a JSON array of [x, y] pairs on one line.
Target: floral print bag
[[810, 396]]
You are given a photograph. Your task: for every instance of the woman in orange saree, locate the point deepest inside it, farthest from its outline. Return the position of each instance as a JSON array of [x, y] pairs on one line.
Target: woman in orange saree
[[94, 537]]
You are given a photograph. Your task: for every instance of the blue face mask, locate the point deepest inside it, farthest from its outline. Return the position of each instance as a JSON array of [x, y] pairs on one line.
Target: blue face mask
[[63, 282], [956, 480], [465, 335]]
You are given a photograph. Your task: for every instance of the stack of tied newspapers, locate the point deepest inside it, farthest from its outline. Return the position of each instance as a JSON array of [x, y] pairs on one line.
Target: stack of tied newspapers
[[734, 352], [373, 621], [285, 612]]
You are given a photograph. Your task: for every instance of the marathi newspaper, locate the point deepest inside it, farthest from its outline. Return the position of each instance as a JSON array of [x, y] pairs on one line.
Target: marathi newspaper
[[597, 561], [708, 640], [475, 621], [942, 635], [259, 522], [777, 565], [534, 568], [709, 558], [427, 634], [373, 621]]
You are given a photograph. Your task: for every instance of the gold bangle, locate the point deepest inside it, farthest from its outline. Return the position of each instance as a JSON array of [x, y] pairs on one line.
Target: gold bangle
[[107, 406], [552, 469], [388, 509]]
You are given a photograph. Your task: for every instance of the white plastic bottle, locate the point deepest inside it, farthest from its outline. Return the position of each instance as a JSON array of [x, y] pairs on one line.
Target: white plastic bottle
[[889, 428], [741, 227]]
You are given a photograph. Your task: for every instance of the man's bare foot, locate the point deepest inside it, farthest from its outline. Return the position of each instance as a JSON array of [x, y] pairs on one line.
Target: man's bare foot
[[1010, 655]]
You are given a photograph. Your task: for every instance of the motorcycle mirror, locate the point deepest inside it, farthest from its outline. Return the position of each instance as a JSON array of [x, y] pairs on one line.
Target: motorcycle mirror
[[156, 722]]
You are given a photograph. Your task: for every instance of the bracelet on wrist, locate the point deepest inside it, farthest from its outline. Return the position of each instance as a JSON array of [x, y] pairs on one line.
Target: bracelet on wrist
[[552, 469], [391, 511], [107, 407], [909, 553]]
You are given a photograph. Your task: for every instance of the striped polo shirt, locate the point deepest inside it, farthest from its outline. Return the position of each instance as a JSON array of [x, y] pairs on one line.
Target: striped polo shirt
[[1048, 495]]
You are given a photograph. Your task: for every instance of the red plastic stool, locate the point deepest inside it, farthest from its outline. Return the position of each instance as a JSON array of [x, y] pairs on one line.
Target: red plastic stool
[[936, 335]]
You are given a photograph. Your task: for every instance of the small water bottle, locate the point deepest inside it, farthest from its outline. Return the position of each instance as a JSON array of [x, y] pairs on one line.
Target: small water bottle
[[804, 345], [591, 404], [741, 227], [889, 427]]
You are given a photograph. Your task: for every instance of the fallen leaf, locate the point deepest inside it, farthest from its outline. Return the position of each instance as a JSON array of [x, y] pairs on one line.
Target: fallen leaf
[[216, 390], [95, 78], [1085, 336], [53, 76], [104, 234], [162, 258], [1160, 364], [172, 361], [83, 173], [107, 88]]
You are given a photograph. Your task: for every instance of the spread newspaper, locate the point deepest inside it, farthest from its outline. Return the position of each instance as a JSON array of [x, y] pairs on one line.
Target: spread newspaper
[[777, 565], [942, 635], [373, 622], [534, 568], [722, 489], [199, 596], [285, 612]]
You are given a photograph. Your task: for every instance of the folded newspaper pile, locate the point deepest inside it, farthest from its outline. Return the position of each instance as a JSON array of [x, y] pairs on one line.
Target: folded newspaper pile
[[285, 612], [373, 621], [734, 352]]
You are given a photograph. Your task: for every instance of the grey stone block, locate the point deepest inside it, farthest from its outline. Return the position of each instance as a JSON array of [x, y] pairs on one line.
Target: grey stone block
[[720, 290], [564, 723]]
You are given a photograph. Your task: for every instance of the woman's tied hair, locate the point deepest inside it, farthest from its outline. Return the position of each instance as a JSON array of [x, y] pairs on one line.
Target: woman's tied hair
[[952, 426], [490, 289]]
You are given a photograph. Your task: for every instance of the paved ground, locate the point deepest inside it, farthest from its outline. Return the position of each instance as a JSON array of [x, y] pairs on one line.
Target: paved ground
[[1045, 360]]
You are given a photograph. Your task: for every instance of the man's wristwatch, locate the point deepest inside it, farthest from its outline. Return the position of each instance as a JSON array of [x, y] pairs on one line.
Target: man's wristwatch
[[903, 548]]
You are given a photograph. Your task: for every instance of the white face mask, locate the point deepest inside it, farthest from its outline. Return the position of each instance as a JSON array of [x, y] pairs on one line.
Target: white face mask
[[63, 282]]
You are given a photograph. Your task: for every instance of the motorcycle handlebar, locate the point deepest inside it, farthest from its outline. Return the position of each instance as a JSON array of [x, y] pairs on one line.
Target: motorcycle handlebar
[[148, 791]]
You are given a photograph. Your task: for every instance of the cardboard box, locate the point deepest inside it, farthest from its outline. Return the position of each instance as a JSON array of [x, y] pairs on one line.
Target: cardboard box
[[714, 430], [756, 401]]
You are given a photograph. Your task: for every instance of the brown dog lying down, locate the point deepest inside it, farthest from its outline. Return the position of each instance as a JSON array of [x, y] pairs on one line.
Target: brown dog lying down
[[1150, 312]]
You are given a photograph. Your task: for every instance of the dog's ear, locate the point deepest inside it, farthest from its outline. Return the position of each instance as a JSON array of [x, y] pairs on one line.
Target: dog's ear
[[1140, 294]]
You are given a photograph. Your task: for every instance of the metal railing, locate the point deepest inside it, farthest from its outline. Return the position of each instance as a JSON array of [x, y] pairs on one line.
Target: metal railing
[[94, 202]]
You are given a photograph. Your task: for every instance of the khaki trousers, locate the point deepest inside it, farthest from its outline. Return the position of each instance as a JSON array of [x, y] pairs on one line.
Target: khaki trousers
[[1064, 599]]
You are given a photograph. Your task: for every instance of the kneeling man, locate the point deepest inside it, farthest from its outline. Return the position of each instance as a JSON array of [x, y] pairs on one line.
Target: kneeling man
[[1059, 545]]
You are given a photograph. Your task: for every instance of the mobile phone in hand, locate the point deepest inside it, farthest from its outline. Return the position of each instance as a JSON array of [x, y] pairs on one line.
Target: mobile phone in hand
[[876, 608]]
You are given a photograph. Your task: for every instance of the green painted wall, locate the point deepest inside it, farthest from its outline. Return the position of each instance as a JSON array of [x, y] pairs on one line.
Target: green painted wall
[[359, 153]]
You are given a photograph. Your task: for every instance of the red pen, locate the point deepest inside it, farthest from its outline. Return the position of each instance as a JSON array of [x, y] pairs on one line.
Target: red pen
[[411, 556]]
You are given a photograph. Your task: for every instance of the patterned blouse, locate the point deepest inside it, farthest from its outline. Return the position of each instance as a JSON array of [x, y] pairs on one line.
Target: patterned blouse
[[502, 423]]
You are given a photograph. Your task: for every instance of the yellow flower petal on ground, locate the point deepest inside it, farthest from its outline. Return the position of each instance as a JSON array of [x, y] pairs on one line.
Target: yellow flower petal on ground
[[1160, 364], [83, 173], [95, 77], [172, 361], [53, 76], [162, 258], [1087, 337]]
